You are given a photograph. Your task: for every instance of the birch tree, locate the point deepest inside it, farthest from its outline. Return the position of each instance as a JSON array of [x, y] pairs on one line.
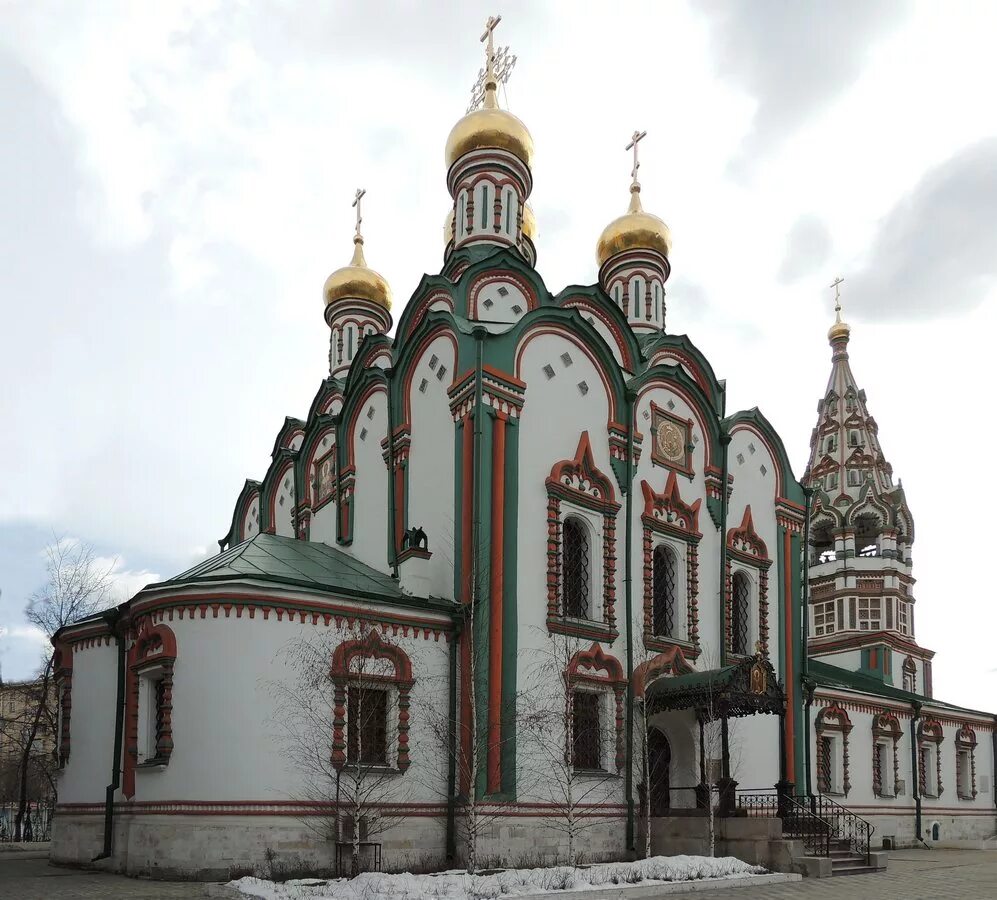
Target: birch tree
[[338, 721], [77, 585]]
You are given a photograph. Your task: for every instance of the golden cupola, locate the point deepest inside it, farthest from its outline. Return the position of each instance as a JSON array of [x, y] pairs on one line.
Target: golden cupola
[[633, 252], [357, 304], [489, 155], [839, 331], [634, 230], [357, 281]]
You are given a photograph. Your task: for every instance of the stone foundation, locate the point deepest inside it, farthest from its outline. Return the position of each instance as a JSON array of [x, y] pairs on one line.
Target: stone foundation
[[214, 848]]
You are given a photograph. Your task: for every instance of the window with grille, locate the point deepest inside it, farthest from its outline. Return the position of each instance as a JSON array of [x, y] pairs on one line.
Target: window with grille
[[575, 569], [926, 770], [366, 726], [903, 618], [739, 614], [825, 749], [665, 590], [824, 621], [585, 730], [870, 614]]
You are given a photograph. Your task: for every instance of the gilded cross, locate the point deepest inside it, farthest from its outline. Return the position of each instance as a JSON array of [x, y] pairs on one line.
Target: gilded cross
[[837, 295], [498, 65], [356, 203], [635, 139], [489, 31]]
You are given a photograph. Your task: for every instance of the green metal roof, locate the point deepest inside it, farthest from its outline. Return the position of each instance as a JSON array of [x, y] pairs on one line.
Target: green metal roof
[[827, 675], [309, 564]]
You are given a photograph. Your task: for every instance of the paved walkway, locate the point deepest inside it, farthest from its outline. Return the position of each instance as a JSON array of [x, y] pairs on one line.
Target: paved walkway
[[35, 879], [913, 875]]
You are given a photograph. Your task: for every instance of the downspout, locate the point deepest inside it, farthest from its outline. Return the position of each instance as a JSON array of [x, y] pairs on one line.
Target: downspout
[[479, 337], [393, 535], [112, 617], [452, 744], [628, 603], [805, 667], [724, 439], [993, 740], [915, 769]]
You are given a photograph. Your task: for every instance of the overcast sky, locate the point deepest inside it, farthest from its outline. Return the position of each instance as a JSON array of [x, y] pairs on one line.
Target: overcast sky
[[176, 185]]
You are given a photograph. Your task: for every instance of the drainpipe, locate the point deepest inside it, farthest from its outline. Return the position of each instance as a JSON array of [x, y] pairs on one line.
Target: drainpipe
[[113, 617], [993, 779], [724, 444], [393, 536], [805, 667], [452, 744], [628, 603], [914, 769], [479, 334]]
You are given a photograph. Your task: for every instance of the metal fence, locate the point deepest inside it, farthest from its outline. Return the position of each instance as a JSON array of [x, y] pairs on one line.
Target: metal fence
[[35, 826]]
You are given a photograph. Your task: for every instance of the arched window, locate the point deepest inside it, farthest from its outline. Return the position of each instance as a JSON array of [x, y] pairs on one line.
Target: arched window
[[462, 215], [484, 206], [739, 613], [575, 569], [664, 592]]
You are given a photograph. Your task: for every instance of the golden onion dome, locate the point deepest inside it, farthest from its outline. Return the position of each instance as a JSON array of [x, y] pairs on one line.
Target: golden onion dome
[[357, 281], [529, 225], [490, 128], [634, 230], [839, 330]]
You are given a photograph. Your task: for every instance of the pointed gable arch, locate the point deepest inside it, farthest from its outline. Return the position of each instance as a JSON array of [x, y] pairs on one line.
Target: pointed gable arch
[[669, 512], [669, 662], [745, 542], [593, 305], [579, 480]]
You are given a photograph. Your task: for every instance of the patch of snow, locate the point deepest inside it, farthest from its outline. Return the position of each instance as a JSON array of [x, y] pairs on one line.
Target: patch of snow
[[510, 882]]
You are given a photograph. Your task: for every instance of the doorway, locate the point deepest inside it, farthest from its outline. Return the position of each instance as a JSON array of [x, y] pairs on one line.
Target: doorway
[[659, 760]]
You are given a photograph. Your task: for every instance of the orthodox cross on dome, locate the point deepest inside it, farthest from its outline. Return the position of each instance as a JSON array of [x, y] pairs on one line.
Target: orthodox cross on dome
[[356, 204], [837, 296], [498, 68], [635, 139]]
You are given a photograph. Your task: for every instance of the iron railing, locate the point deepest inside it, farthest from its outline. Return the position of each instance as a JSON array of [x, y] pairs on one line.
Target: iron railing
[[35, 826], [798, 820], [847, 827], [817, 820]]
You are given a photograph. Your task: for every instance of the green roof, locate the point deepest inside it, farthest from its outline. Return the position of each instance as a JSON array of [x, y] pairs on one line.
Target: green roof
[[287, 561], [827, 675]]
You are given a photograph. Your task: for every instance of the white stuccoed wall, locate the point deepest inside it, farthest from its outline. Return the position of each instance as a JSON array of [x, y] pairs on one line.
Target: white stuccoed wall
[[431, 464], [95, 685], [370, 519]]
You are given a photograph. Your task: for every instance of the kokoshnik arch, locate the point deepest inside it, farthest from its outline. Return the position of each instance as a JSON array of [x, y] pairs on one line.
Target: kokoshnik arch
[[564, 465]]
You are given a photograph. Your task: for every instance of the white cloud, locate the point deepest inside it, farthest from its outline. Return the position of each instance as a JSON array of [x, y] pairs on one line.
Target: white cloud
[[180, 177]]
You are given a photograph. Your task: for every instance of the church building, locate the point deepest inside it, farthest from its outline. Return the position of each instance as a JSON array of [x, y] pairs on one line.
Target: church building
[[520, 568]]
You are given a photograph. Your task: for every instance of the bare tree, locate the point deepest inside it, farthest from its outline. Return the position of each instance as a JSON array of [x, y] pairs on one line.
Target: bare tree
[[354, 776], [77, 586], [572, 741]]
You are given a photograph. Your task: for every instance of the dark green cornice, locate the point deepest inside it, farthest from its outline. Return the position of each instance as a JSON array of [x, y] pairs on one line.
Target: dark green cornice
[[290, 424], [599, 298], [655, 343]]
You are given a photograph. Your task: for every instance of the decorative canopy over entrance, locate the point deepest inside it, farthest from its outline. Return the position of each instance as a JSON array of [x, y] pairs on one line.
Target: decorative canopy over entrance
[[741, 689]]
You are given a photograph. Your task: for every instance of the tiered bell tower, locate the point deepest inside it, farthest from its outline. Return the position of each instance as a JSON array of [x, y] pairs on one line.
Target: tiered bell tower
[[861, 531]]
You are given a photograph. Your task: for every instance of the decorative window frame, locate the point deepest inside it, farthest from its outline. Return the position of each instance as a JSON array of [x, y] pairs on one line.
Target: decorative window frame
[[685, 426], [930, 732], [965, 742], [833, 720], [909, 669], [318, 498], [371, 646], [747, 552], [576, 487], [63, 668], [596, 671], [668, 520], [153, 648], [885, 728]]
